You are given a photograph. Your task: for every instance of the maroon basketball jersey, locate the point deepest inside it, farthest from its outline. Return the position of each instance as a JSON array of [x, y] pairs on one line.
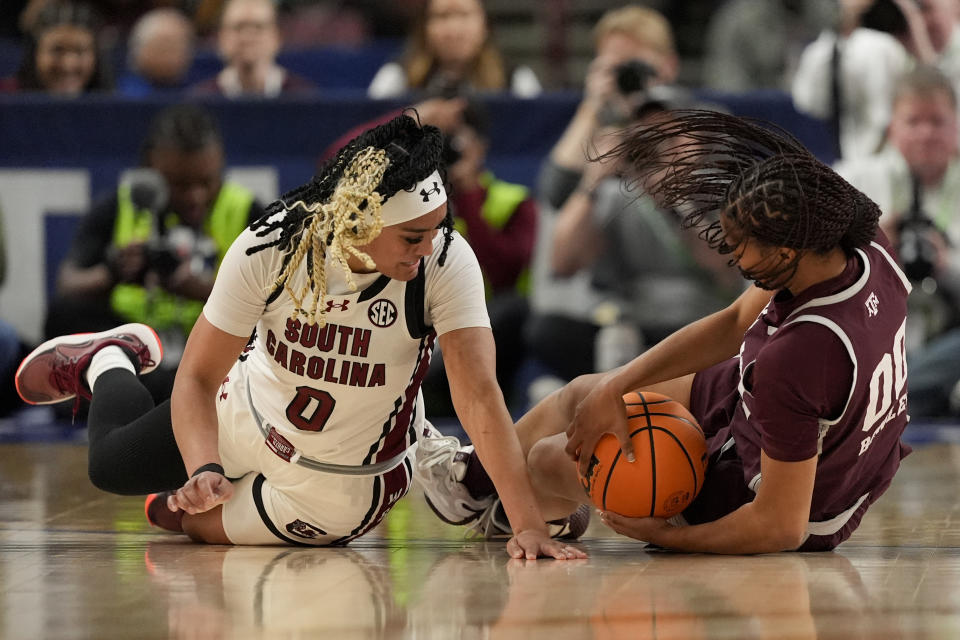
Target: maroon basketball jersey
[[857, 439]]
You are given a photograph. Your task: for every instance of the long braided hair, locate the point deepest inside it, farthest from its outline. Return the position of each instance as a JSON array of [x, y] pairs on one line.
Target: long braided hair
[[756, 176], [339, 209]]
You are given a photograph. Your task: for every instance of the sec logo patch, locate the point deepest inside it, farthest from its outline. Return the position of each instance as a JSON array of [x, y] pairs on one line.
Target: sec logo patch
[[382, 313]]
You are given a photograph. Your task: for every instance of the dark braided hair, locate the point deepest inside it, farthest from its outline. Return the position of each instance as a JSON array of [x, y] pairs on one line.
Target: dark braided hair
[[339, 209], [756, 176]]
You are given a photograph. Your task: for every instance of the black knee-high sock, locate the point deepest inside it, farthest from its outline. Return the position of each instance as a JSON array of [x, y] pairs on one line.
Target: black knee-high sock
[[132, 448]]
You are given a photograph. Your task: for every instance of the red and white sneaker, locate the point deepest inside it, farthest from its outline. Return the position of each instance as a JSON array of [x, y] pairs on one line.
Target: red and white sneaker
[[158, 515], [54, 371]]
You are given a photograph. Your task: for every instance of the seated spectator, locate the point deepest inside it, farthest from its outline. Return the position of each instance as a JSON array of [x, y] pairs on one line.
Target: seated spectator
[[159, 53], [249, 41], [61, 55], [450, 51], [647, 276], [915, 180], [149, 251], [873, 44], [756, 44], [595, 246]]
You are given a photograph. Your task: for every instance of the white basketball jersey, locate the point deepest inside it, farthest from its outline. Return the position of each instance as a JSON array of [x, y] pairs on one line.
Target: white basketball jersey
[[347, 392]]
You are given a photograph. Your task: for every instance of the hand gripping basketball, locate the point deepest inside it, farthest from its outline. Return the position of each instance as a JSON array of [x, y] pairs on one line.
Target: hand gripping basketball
[[597, 414], [671, 460]]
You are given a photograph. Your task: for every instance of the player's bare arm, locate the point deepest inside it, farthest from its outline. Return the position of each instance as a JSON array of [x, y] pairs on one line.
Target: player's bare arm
[[207, 358], [693, 348], [776, 520], [470, 358]]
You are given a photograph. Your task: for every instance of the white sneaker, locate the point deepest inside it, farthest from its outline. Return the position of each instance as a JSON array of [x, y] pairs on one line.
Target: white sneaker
[[441, 466]]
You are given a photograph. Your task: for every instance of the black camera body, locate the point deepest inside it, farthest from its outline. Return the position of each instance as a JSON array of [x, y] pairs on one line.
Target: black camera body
[[633, 76], [162, 258], [451, 153], [918, 254]]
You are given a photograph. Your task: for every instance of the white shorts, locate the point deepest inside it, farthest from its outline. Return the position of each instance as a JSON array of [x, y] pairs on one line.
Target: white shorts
[[277, 502]]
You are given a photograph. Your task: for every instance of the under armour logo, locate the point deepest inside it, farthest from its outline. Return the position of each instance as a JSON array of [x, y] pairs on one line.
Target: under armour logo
[[426, 194], [331, 305]]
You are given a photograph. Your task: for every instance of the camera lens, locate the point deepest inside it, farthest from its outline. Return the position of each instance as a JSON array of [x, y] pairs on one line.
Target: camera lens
[[633, 76]]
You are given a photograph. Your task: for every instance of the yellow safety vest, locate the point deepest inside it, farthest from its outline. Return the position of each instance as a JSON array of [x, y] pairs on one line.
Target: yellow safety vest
[[158, 308], [501, 202]]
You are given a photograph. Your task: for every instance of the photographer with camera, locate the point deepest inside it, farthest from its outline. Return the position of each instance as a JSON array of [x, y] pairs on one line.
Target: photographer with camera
[[634, 44], [150, 250], [613, 272], [847, 76], [915, 179]]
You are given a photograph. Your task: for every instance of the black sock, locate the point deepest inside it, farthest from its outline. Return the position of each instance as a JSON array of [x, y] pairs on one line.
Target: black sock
[[132, 448], [476, 480]]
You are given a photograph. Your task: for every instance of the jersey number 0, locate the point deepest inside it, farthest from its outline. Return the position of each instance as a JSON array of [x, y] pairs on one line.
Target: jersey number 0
[[310, 409]]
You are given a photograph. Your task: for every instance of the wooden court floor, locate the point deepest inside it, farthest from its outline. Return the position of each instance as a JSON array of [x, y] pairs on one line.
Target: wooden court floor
[[79, 563]]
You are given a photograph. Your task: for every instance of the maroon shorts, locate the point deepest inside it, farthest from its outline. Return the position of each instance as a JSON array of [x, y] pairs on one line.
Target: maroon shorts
[[713, 401], [714, 396]]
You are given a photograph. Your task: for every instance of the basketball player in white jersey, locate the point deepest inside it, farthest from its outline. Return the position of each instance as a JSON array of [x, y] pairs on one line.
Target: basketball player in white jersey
[[296, 415]]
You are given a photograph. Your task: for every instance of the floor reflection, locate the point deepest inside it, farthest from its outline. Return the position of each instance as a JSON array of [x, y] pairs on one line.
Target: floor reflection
[[78, 563]]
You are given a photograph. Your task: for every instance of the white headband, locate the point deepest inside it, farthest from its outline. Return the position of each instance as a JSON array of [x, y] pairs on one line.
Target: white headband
[[422, 198]]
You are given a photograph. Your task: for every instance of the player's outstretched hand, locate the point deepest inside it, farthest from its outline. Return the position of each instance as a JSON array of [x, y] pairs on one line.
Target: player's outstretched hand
[[645, 529], [532, 544], [601, 411], [201, 493]]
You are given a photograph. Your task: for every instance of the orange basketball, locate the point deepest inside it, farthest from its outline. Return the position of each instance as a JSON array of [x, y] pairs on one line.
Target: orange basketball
[[671, 459]]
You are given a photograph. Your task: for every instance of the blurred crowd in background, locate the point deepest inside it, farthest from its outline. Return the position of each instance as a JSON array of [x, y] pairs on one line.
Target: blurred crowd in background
[[882, 75]]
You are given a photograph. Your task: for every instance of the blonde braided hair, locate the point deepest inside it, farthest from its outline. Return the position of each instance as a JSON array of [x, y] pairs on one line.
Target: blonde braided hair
[[340, 208], [352, 217]]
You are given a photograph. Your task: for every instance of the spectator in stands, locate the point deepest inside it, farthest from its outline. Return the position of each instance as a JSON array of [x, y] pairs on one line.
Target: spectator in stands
[[873, 44], [149, 252], [249, 41], [756, 44], [647, 276], [915, 179], [159, 53], [499, 220], [593, 253], [61, 56], [450, 51]]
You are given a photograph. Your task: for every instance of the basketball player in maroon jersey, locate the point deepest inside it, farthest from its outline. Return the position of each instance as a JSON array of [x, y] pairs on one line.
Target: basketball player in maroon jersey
[[800, 385]]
